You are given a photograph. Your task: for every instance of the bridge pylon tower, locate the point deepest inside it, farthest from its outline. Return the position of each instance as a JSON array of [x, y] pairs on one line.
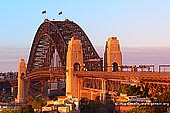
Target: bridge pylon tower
[[21, 82], [112, 55], [74, 62]]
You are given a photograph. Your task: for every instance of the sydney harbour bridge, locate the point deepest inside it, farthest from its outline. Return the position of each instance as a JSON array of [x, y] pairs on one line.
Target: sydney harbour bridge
[[62, 50]]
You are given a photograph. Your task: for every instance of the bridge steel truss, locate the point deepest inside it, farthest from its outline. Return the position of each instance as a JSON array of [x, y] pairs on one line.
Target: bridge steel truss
[[53, 36], [47, 61], [49, 49], [112, 82]]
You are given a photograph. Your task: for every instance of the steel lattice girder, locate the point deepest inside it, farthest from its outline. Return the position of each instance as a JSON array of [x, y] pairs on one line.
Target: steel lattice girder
[[53, 35]]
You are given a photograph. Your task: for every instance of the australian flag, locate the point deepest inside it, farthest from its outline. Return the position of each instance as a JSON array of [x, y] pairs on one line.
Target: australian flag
[[60, 13], [43, 12]]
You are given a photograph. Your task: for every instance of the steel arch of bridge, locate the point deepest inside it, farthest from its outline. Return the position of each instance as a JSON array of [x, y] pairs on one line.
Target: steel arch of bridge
[[52, 39], [47, 58], [53, 36]]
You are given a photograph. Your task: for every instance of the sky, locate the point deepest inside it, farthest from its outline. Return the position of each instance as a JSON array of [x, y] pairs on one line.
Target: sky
[[142, 27]]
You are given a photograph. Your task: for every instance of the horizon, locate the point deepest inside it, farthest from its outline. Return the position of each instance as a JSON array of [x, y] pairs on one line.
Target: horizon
[[130, 56]]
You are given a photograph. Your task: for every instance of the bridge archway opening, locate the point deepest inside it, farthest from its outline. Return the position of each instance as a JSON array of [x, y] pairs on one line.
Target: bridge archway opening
[[76, 67], [114, 67], [46, 53], [22, 75]]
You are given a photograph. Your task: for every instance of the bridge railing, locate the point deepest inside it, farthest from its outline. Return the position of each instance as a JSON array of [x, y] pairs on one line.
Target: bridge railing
[[123, 68], [127, 68], [164, 68], [61, 68]]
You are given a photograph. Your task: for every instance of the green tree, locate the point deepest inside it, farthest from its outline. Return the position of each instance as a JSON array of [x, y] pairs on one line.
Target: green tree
[[75, 111], [8, 110], [26, 109], [83, 104], [130, 90], [96, 106], [163, 99], [141, 109], [38, 103]]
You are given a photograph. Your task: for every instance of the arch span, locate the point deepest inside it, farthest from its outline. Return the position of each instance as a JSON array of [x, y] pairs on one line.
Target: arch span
[[53, 36], [49, 49], [115, 67], [76, 66]]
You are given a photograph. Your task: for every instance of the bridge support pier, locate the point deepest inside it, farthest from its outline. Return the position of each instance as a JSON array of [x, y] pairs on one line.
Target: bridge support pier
[[21, 82], [74, 62], [112, 55]]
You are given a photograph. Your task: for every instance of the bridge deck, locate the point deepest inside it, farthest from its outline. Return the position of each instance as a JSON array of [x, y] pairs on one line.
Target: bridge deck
[[125, 75]]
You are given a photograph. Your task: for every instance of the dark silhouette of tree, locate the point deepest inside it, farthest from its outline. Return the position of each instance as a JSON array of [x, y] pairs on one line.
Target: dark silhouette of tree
[[131, 90], [38, 103], [163, 99], [109, 104], [141, 109], [26, 109], [83, 104], [97, 106]]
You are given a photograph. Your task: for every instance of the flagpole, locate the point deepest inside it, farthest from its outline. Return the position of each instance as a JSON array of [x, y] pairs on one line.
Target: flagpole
[[44, 12], [60, 13]]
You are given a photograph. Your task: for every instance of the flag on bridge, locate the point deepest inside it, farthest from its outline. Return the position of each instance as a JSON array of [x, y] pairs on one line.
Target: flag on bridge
[[60, 13], [43, 12]]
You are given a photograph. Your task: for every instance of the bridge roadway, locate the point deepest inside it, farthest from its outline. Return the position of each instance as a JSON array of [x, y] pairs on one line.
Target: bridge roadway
[[150, 77], [96, 78], [59, 72], [56, 72]]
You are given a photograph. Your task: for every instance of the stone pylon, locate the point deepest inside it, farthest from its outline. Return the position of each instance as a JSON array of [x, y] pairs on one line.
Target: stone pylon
[[113, 55], [74, 62], [21, 85]]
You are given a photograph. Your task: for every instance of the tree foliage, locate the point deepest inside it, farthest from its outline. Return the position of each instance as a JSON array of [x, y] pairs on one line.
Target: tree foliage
[[96, 106], [8, 110], [133, 90], [163, 99], [23, 109], [26, 109], [38, 103], [141, 109]]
